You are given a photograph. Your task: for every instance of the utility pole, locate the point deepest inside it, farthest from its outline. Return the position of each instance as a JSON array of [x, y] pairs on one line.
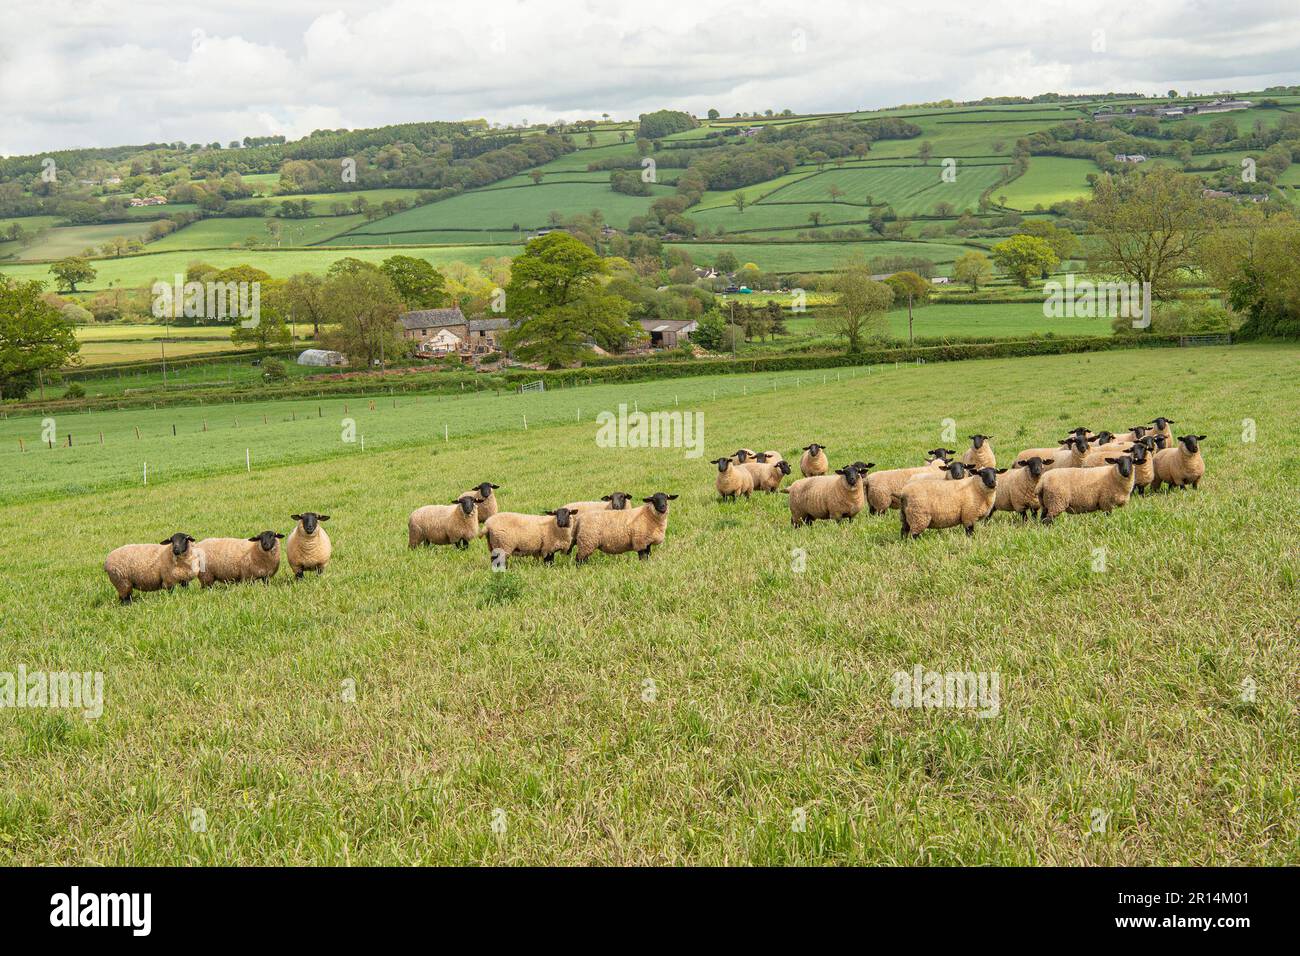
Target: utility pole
[[909, 318]]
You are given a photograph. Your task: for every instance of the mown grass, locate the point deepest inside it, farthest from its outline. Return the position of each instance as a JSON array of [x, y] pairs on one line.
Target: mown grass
[[526, 692]]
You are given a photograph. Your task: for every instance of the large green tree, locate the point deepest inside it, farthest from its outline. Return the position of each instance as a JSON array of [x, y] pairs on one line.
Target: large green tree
[[72, 270], [34, 337], [362, 307], [558, 301], [1148, 227], [1024, 258], [420, 285]]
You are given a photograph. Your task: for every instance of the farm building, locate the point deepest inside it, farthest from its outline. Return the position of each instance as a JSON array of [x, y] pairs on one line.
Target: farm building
[[321, 357], [442, 331], [669, 333]]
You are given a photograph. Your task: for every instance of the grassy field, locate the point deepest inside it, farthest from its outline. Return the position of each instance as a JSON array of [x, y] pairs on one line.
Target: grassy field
[[143, 270], [819, 256], [911, 190], [225, 233], [63, 241], [685, 709], [1048, 180]]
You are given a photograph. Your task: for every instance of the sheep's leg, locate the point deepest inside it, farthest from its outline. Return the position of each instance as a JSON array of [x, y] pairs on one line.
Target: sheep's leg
[[321, 569], [970, 530], [297, 575], [549, 559], [1196, 484], [124, 599]]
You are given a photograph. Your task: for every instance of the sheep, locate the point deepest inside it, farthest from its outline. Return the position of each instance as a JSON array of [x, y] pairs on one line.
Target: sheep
[[946, 504], [456, 523], [837, 496], [535, 536], [1162, 428], [1069, 454], [1079, 490], [1143, 465], [813, 461], [953, 472], [1181, 465], [152, 567], [239, 559], [1097, 457], [1102, 437], [614, 501], [1136, 433], [732, 479], [1018, 491], [773, 455], [767, 475], [617, 532], [980, 453], [487, 505], [743, 455], [308, 547], [881, 485]]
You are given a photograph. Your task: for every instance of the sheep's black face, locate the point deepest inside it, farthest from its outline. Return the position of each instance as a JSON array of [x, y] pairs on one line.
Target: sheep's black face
[[266, 539], [1076, 444], [562, 517], [741, 455], [485, 490], [1124, 463], [1162, 423], [180, 543], [937, 453], [1079, 433], [722, 463], [660, 500], [762, 457], [850, 475], [1103, 438], [618, 500], [814, 449], [783, 467], [1139, 430], [956, 469], [1036, 465], [467, 503], [1191, 442], [310, 520], [1139, 453], [989, 476], [862, 467], [977, 441]]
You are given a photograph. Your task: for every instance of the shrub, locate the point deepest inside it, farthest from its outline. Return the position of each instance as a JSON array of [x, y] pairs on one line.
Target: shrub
[[273, 370]]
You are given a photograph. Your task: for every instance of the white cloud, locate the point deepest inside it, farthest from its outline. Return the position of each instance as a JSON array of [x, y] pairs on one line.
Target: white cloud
[[109, 72]]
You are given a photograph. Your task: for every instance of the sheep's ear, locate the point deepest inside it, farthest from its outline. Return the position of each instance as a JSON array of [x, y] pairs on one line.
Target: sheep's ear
[[494, 486], [168, 541], [605, 498], [296, 517], [278, 535], [322, 517], [1019, 464], [807, 447], [672, 497], [256, 537], [839, 471], [1048, 461], [647, 500], [1112, 461], [870, 464], [548, 513], [1002, 471], [1201, 437]]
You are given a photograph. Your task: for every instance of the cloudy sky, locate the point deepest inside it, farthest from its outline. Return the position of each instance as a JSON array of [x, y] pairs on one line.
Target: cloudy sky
[[108, 72]]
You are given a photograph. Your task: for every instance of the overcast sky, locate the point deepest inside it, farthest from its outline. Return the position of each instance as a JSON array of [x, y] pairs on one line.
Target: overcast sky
[[107, 72]]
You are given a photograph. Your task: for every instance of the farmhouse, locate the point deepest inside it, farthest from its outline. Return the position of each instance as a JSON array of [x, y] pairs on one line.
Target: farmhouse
[[149, 201], [1130, 158], [443, 331], [669, 333]]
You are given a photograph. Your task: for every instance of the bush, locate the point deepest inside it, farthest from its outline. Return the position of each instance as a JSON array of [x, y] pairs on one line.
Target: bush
[[75, 390], [273, 370]]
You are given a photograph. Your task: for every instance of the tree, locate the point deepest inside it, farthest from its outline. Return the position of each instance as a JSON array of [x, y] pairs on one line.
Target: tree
[[860, 305], [420, 285], [268, 328], [1256, 258], [972, 268], [536, 176], [304, 298], [1063, 242], [1148, 227], [72, 270], [1024, 257], [363, 306], [556, 296], [835, 192], [910, 288], [739, 201], [925, 151], [34, 338], [714, 114]]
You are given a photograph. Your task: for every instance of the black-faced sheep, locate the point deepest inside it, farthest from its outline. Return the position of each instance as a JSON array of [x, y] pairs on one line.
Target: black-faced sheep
[[239, 559], [617, 532], [152, 567]]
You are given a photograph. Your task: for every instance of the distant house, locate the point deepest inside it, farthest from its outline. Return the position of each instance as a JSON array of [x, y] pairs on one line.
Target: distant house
[[323, 357], [1235, 197], [443, 331], [669, 333], [149, 201], [940, 280], [1130, 158]]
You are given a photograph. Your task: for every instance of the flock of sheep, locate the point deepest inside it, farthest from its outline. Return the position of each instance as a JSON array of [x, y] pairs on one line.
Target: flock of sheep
[[1084, 472]]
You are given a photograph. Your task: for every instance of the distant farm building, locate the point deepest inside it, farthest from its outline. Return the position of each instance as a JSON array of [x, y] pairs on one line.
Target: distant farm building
[[149, 201], [322, 357], [447, 331], [1130, 158], [669, 333]]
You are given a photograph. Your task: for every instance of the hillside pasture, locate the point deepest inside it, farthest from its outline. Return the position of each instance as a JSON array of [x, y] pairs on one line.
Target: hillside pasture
[[683, 709]]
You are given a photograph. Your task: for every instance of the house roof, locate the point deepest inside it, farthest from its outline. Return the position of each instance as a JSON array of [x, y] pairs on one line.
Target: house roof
[[431, 319], [488, 325], [669, 325]]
